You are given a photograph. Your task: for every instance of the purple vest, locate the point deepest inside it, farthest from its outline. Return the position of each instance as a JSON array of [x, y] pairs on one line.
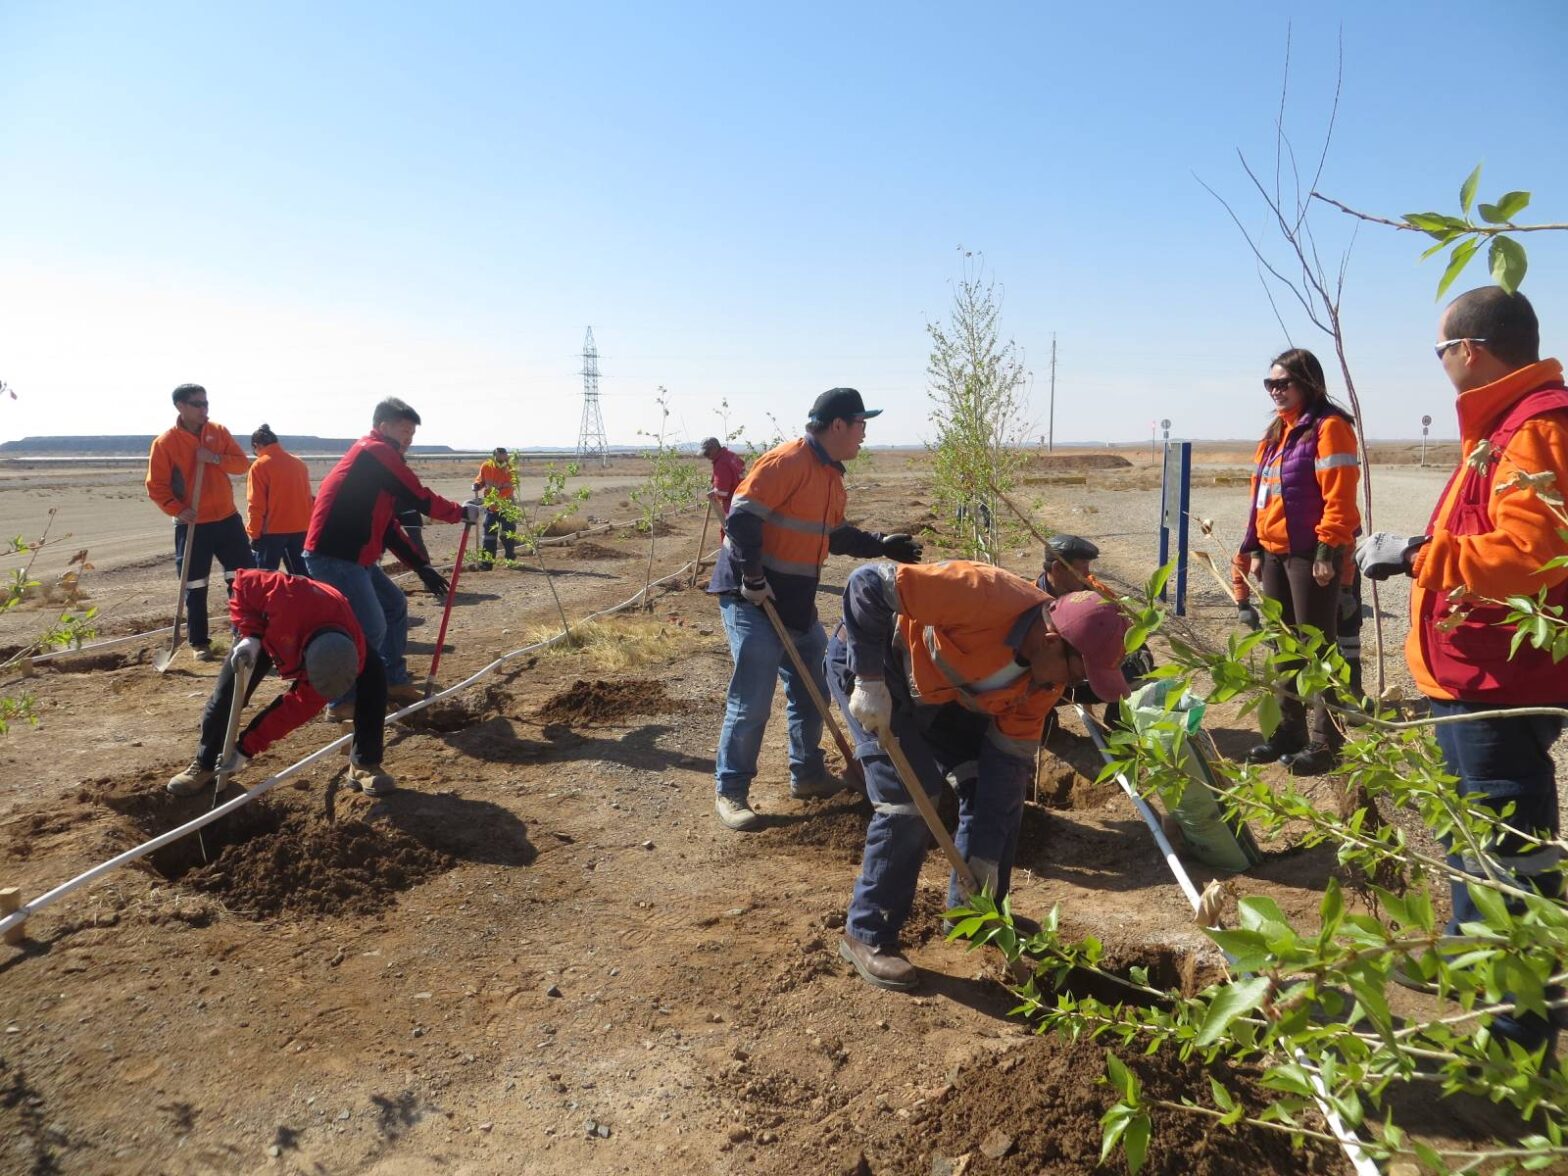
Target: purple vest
[[1297, 455]]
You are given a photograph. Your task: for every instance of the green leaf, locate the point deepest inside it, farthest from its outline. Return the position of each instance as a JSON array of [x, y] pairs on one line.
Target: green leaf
[[1233, 1001], [1268, 715], [1157, 581], [1508, 263], [1433, 222], [1443, 241], [1467, 190], [1120, 1076], [1136, 1141], [1491, 905], [1508, 206], [1115, 1122], [1457, 262], [1222, 1098], [1247, 950]]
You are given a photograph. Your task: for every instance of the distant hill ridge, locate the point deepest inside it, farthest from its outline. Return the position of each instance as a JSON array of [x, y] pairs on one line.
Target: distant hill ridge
[[137, 444]]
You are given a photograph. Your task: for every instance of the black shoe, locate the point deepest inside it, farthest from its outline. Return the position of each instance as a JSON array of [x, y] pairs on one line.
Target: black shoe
[[1314, 761], [1268, 753]]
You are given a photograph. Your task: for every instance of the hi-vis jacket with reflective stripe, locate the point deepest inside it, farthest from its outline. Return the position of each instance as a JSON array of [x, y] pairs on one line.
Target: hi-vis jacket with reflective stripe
[[787, 516], [1304, 487], [953, 629]]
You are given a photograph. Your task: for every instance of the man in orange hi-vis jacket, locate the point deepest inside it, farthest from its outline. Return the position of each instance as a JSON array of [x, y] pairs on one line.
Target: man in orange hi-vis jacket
[[196, 447], [787, 517], [1493, 536], [962, 662], [277, 490], [493, 484]]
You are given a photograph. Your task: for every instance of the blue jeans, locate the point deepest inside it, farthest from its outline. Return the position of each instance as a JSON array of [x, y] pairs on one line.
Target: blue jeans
[[759, 660], [1506, 761], [941, 743], [379, 606], [285, 550]]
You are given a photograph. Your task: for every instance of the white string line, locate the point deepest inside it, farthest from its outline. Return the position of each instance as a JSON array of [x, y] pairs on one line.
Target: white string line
[[1349, 1142]]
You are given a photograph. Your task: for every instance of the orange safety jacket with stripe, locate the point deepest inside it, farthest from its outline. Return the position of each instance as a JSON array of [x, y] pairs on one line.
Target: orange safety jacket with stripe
[[786, 518], [277, 489], [171, 471], [494, 475], [1304, 487], [957, 627], [1494, 540]]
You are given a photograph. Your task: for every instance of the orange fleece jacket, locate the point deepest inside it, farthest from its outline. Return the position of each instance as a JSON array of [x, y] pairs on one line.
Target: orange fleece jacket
[[171, 464], [278, 490]]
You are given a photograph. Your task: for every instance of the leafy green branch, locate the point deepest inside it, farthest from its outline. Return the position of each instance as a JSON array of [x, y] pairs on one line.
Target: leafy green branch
[[1465, 235]]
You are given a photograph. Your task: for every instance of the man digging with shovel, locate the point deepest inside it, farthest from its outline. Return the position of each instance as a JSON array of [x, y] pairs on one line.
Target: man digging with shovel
[[947, 672], [307, 631]]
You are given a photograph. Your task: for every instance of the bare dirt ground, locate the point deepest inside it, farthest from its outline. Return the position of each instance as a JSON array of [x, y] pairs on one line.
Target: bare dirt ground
[[542, 954]]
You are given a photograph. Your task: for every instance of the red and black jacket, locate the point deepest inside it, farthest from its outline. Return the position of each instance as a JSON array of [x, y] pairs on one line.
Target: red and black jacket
[[284, 613], [358, 499]]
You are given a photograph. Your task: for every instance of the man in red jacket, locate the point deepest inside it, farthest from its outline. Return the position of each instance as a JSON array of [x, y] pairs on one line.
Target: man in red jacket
[[728, 470], [356, 506], [307, 632], [1493, 536]]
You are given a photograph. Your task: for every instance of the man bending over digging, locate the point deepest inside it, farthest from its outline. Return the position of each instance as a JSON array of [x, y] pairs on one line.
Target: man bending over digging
[[961, 662], [307, 632]]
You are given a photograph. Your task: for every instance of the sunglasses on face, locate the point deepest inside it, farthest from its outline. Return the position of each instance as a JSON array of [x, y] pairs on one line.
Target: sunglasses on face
[[1277, 385], [1447, 344]]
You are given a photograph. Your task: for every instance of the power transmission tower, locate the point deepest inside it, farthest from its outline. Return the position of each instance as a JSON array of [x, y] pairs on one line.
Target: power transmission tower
[[590, 437]]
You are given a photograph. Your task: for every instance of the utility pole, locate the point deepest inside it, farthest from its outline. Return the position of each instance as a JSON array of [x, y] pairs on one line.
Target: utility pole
[[590, 436], [1050, 432]]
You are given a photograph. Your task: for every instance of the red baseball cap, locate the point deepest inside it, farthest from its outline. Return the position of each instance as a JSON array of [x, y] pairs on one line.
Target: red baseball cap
[[1097, 629]]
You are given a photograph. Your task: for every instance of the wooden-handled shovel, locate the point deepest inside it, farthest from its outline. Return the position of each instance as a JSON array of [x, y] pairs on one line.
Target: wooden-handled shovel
[[851, 764], [162, 662]]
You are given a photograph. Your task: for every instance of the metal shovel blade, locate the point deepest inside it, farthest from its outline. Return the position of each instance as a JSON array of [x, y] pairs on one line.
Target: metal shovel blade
[[164, 660]]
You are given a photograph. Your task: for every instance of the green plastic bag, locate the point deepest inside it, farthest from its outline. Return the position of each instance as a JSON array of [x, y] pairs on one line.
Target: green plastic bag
[[1225, 845]]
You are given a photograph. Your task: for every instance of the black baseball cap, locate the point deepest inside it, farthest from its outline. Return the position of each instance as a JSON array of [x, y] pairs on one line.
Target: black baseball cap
[[843, 403], [1069, 548]]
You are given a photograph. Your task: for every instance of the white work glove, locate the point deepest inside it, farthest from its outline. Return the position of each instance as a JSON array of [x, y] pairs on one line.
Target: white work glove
[[245, 652], [756, 591], [235, 763], [871, 706], [473, 511], [1383, 554]]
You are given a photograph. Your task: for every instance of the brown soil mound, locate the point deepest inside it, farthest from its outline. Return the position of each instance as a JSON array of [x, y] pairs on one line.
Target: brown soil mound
[[840, 830], [588, 549], [600, 701], [1039, 1106], [1051, 463], [267, 859], [314, 868]]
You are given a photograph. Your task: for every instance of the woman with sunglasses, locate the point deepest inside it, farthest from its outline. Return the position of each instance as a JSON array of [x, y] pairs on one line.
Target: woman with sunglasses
[[1299, 534]]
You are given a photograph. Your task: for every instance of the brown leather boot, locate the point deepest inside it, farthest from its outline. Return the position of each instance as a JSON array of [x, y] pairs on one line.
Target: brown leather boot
[[885, 967]]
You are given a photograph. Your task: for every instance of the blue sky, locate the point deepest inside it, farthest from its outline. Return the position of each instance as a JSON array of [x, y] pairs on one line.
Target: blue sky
[[309, 206]]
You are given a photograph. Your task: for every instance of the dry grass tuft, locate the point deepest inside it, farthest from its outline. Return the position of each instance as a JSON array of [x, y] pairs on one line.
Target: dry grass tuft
[[618, 643]]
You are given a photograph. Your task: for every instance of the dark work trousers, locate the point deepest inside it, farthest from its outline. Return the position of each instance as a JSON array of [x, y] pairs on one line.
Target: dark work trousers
[[942, 743], [1288, 579], [370, 710], [1349, 630], [1506, 761], [497, 526], [223, 538], [285, 551]]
